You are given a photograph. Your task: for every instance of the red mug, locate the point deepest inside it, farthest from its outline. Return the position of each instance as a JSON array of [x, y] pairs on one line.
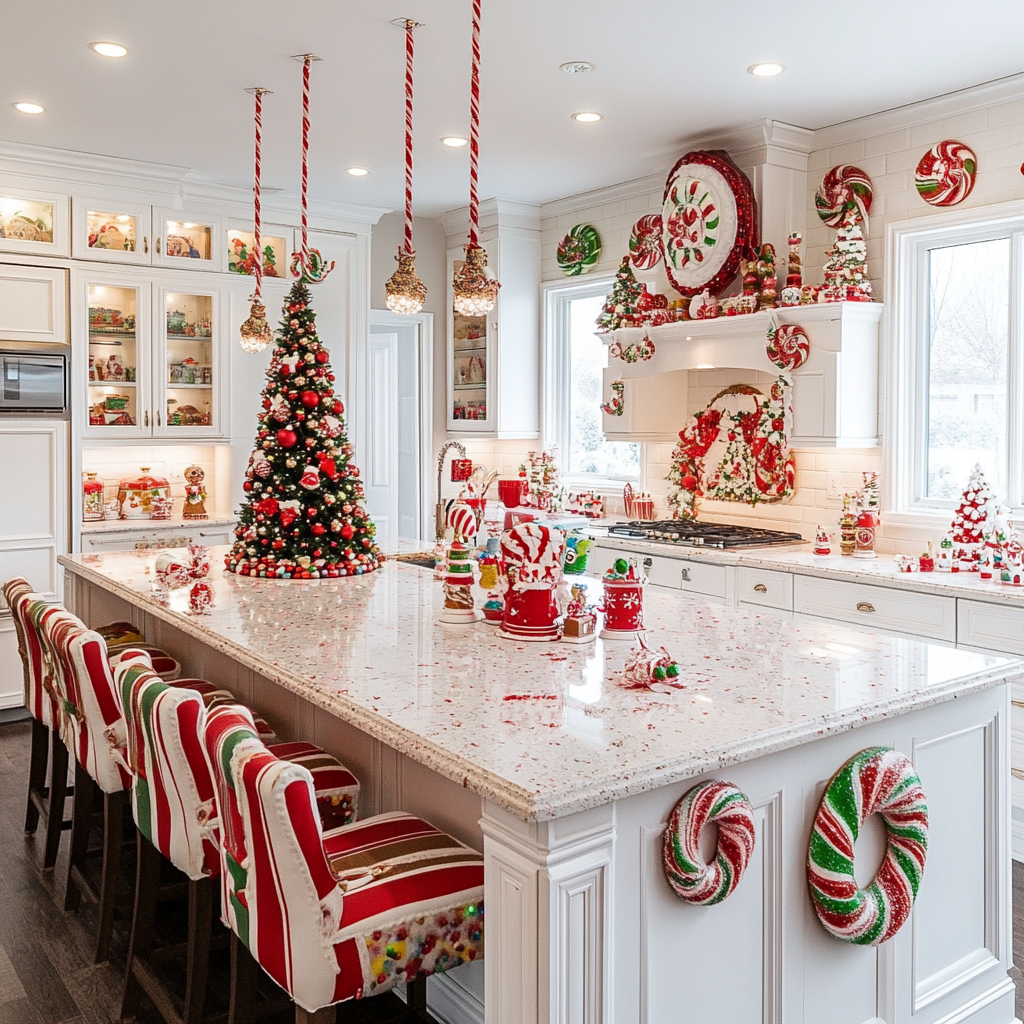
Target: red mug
[[510, 492]]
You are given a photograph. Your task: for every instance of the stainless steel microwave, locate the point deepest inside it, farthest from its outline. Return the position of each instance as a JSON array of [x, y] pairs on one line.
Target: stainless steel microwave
[[32, 383]]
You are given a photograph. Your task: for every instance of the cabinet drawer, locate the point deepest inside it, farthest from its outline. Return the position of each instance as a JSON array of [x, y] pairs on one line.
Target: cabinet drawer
[[996, 627], [1017, 736], [678, 573], [877, 607], [142, 540], [765, 587]]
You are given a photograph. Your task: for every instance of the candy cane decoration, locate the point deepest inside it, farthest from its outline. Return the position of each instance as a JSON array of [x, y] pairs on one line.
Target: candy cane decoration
[[474, 132], [307, 264], [409, 26], [254, 334]]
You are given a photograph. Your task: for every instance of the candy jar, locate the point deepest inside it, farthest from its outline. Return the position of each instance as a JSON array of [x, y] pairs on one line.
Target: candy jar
[[867, 524], [92, 499], [822, 542], [623, 602]]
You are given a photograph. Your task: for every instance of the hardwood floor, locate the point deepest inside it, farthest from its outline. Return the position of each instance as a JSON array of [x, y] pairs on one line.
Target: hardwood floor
[[46, 970]]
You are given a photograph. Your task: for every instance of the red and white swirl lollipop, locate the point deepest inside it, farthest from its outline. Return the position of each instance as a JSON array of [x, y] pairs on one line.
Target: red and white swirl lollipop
[[535, 550], [645, 242], [462, 520], [844, 197], [945, 175], [788, 346]]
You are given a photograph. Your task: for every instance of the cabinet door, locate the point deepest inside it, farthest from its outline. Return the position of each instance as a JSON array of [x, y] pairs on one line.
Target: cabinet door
[[471, 367], [33, 304], [189, 360], [277, 243], [33, 223], [187, 242], [110, 231], [112, 345]]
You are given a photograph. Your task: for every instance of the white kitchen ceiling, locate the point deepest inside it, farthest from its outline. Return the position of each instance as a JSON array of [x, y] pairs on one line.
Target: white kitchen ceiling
[[666, 69]]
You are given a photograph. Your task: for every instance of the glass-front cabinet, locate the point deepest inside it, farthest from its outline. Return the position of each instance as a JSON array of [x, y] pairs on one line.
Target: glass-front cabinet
[[469, 370], [111, 232], [187, 242], [33, 222], [148, 355]]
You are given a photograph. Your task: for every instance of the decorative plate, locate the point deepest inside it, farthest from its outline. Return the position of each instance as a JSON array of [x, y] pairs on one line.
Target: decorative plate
[[788, 346], [844, 196], [946, 173], [708, 222], [645, 242], [579, 251]]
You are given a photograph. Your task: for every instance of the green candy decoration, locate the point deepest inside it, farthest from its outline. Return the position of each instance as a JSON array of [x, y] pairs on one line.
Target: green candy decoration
[[579, 251], [659, 672], [672, 671], [621, 566]]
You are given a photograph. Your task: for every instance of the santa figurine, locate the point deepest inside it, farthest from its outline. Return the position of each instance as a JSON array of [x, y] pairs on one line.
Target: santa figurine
[[822, 542]]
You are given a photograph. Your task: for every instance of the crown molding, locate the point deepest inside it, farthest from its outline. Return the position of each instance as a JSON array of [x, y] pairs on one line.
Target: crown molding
[[935, 108], [495, 214]]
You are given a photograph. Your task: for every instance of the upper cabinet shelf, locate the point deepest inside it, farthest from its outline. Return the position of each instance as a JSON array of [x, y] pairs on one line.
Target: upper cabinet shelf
[[835, 391]]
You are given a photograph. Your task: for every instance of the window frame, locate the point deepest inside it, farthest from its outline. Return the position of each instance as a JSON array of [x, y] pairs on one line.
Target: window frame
[[906, 332], [556, 365]]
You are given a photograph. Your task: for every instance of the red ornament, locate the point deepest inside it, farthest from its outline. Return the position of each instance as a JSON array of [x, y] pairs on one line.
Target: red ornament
[[328, 468], [310, 399], [322, 356], [319, 528], [347, 531], [247, 485], [337, 408], [287, 438]]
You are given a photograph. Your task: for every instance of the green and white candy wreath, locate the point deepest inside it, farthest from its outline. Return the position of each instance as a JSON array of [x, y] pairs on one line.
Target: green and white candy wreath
[[880, 780], [579, 251], [721, 804]]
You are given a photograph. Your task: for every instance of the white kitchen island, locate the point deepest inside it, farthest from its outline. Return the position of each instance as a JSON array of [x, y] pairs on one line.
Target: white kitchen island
[[567, 780]]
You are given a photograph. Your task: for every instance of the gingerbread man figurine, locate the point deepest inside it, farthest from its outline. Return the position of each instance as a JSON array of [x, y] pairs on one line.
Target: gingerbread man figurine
[[195, 494]]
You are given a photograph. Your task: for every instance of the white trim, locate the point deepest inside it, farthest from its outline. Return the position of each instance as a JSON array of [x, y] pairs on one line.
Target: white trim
[[902, 419], [425, 345]]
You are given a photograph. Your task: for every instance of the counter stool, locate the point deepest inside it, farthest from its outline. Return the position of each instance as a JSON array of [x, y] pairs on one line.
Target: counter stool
[[334, 915], [173, 805]]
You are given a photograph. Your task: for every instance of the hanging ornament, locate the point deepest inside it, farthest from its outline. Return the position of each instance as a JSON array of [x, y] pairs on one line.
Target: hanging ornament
[[406, 293], [474, 286], [307, 264], [310, 478], [255, 335]]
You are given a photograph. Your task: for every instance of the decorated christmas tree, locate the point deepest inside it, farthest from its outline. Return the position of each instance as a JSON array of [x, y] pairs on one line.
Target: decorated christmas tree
[[621, 308], [969, 522], [304, 516], [846, 266]]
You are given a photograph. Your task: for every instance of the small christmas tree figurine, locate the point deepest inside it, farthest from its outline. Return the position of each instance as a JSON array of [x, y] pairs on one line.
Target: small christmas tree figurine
[[846, 267], [304, 515], [969, 522], [621, 307]]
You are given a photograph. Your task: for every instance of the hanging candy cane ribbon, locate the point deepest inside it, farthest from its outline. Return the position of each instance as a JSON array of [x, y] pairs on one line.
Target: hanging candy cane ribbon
[[409, 26], [307, 264], [257, 243], [474, 132]]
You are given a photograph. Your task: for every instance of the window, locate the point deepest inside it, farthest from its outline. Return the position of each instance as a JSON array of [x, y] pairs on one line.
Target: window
[[573, 388], [959, 353]]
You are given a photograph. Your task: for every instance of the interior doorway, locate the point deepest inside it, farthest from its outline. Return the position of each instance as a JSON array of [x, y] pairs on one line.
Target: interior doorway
[[399, 412]]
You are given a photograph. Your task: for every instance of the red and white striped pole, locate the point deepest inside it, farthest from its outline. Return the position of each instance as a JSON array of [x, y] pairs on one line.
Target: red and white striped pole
[[474, 131], [409, 26], [307, 60]]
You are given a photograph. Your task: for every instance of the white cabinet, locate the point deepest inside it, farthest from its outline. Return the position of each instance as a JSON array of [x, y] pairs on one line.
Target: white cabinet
[[151, 355], [835, 391], [33, 304], [186, 241], [700, 578], [767, 588], [992, 626], [33, 223], [178, 536], [111, 231]]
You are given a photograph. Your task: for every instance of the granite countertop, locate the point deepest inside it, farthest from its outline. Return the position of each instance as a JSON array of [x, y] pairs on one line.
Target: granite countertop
[[543, 730], [799, 558]]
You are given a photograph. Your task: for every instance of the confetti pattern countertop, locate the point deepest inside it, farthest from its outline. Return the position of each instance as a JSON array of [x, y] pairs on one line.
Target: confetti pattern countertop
[[544, 730]]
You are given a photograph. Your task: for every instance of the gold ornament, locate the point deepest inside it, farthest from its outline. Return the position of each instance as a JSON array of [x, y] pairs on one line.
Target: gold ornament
[[406, 293], [475, 287], [255, 335]]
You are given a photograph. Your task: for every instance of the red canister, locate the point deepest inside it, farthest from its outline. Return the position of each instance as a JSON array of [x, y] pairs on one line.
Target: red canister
[[623, 609], [531, 614]]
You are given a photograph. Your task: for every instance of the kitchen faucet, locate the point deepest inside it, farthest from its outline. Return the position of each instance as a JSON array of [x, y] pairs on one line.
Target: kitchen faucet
[[440, 523]]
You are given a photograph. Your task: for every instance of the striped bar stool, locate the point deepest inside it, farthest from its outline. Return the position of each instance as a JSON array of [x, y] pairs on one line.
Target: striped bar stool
[[334, 915], [172, 800]]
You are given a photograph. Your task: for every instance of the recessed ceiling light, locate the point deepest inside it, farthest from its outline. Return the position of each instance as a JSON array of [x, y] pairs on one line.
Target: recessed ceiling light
[[586, 116], [766, 70], [28, 108], [109, 49], [357, 172], [577, 67], [454, 141]]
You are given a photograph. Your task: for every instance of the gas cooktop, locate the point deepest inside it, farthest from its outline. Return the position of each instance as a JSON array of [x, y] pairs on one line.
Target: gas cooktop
[[695, 534]]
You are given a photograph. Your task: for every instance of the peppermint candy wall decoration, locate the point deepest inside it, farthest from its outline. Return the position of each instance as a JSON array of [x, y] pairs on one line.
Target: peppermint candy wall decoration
[[946, 173], [579, 251], [788, 346], [721, 804], [645, 242], [844, 197], [880, 780], [708, 222]]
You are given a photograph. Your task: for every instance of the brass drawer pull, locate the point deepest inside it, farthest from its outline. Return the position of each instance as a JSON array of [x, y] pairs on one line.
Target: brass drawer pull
[[865, 606], [684, 575], [1017, 703], [760, 588], [1017, 773]]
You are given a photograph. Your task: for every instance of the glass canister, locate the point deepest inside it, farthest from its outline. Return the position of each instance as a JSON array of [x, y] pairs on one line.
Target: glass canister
[[92, 498], [135, 495]]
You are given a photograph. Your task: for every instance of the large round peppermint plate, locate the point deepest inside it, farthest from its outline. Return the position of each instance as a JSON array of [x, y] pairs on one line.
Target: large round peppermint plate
[[708, 222]]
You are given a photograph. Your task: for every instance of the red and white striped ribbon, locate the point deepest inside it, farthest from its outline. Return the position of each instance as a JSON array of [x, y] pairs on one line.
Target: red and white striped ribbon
[[474, 131], [257, 244], [306, 62], [409, 26]]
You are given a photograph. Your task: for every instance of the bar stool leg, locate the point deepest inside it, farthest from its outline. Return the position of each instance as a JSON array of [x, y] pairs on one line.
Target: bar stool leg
[[58, 793], [201, 895], [147, 888], [416, 998], [81, 822], [36, 773], [113, 837], [244, 975]]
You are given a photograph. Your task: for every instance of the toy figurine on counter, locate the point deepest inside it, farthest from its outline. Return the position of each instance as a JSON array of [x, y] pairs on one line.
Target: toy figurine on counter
[[822, 542], [944, 559], [195, 494], [848, 526], [646, 669], [867, 517], [580, 623], [576, 555], [623, 601], [926, 563], [458, 579]]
